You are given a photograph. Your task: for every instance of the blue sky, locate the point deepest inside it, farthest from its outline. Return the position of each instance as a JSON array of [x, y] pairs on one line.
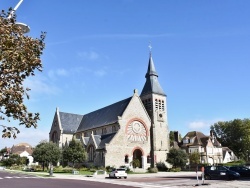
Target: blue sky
[[97, 54]]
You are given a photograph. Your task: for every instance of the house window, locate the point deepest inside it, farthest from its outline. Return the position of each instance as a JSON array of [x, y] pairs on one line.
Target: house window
[[94, 132], [78, 136], [91, 153]]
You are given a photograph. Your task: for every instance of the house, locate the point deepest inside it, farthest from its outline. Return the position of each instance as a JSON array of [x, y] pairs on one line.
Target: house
[[134, 128], [23, 150], [208, 147], [228, 155]]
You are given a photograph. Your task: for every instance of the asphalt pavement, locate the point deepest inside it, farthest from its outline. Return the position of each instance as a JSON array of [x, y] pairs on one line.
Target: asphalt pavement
[[157, 180]]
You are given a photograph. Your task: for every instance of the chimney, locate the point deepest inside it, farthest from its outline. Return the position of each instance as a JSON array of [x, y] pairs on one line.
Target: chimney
[[212, 135]]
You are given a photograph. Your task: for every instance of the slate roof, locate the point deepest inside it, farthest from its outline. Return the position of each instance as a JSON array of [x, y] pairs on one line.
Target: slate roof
[[197, 137], [104, 116], [70, 122], [152, 85], [101, 140]]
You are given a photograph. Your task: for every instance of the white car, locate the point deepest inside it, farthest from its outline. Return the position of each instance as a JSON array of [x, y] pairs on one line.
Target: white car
[[118, 173]]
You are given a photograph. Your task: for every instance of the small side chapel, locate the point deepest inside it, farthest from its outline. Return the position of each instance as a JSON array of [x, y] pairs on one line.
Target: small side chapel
[[133, 128]]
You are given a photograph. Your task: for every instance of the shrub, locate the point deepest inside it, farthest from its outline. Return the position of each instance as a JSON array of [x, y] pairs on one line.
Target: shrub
[[92, 169], [84, 169], [109, 168], [136, 163], [178, 169], [67, 169], [161, 166], [128, 170], [153, 170]]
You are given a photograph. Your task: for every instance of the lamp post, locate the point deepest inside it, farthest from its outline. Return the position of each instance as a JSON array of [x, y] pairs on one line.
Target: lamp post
[[25, 28]]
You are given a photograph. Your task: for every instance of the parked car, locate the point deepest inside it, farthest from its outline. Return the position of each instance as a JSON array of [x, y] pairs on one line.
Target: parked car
[[243, 171], [118, 173], [219, 172]]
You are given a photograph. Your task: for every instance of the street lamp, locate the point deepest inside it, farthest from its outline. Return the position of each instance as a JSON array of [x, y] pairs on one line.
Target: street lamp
[[25, 28]]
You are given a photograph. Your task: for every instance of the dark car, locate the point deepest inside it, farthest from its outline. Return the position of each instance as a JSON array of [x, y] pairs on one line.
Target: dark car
[[219, 172], [243, 171]]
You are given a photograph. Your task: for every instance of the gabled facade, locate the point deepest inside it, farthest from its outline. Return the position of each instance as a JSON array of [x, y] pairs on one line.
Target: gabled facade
[[228, 155], [132, 129], [23, 150], [208, 147]]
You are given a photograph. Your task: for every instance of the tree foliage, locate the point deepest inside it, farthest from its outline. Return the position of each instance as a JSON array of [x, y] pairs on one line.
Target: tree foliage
[[3, 151], [194, 158], [234, 134], [74, 152], [171, 136], [14, 159], [19, 59], [177, 157], [46, 152]]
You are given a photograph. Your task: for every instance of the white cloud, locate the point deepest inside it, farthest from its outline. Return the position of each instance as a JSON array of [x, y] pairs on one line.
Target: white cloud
[[58, 72], [61, 72], [92, 55], [39, 85], [198, 125]]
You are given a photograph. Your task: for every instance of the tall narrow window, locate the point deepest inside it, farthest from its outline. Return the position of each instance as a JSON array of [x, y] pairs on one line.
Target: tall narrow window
[[148, 159], [149, 104], [156, 103], [104, 130], [91, 153], [126, 159]]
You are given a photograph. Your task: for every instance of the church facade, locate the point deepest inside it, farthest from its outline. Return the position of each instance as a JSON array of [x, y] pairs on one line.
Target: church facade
[[132, 129]]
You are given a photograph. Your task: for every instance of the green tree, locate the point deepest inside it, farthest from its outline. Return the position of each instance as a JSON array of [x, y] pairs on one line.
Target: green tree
[[3, 151], [14, 159], [46, 153], [234, 134], [74, 152], [194, 158], [177, 157], [171, 136], [20, 57]]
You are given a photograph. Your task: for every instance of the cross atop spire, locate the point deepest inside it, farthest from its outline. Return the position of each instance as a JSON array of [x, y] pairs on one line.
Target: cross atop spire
[[150, 47]]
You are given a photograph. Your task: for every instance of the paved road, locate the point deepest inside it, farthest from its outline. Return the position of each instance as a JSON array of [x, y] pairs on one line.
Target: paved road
[[159, 180], [20, 180]]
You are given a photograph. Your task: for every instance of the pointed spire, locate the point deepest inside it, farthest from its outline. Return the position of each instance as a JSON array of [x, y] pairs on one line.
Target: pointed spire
[[152, 85], [151, 67]]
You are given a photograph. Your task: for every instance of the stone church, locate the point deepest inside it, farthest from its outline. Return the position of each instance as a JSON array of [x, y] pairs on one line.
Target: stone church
[[133, 128]]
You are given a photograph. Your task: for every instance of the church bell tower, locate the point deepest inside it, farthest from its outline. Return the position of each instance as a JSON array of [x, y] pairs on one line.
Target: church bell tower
[[155, 102]]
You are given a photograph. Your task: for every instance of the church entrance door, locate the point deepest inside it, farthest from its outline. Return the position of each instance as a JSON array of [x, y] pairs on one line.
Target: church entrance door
[[137, 158]]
